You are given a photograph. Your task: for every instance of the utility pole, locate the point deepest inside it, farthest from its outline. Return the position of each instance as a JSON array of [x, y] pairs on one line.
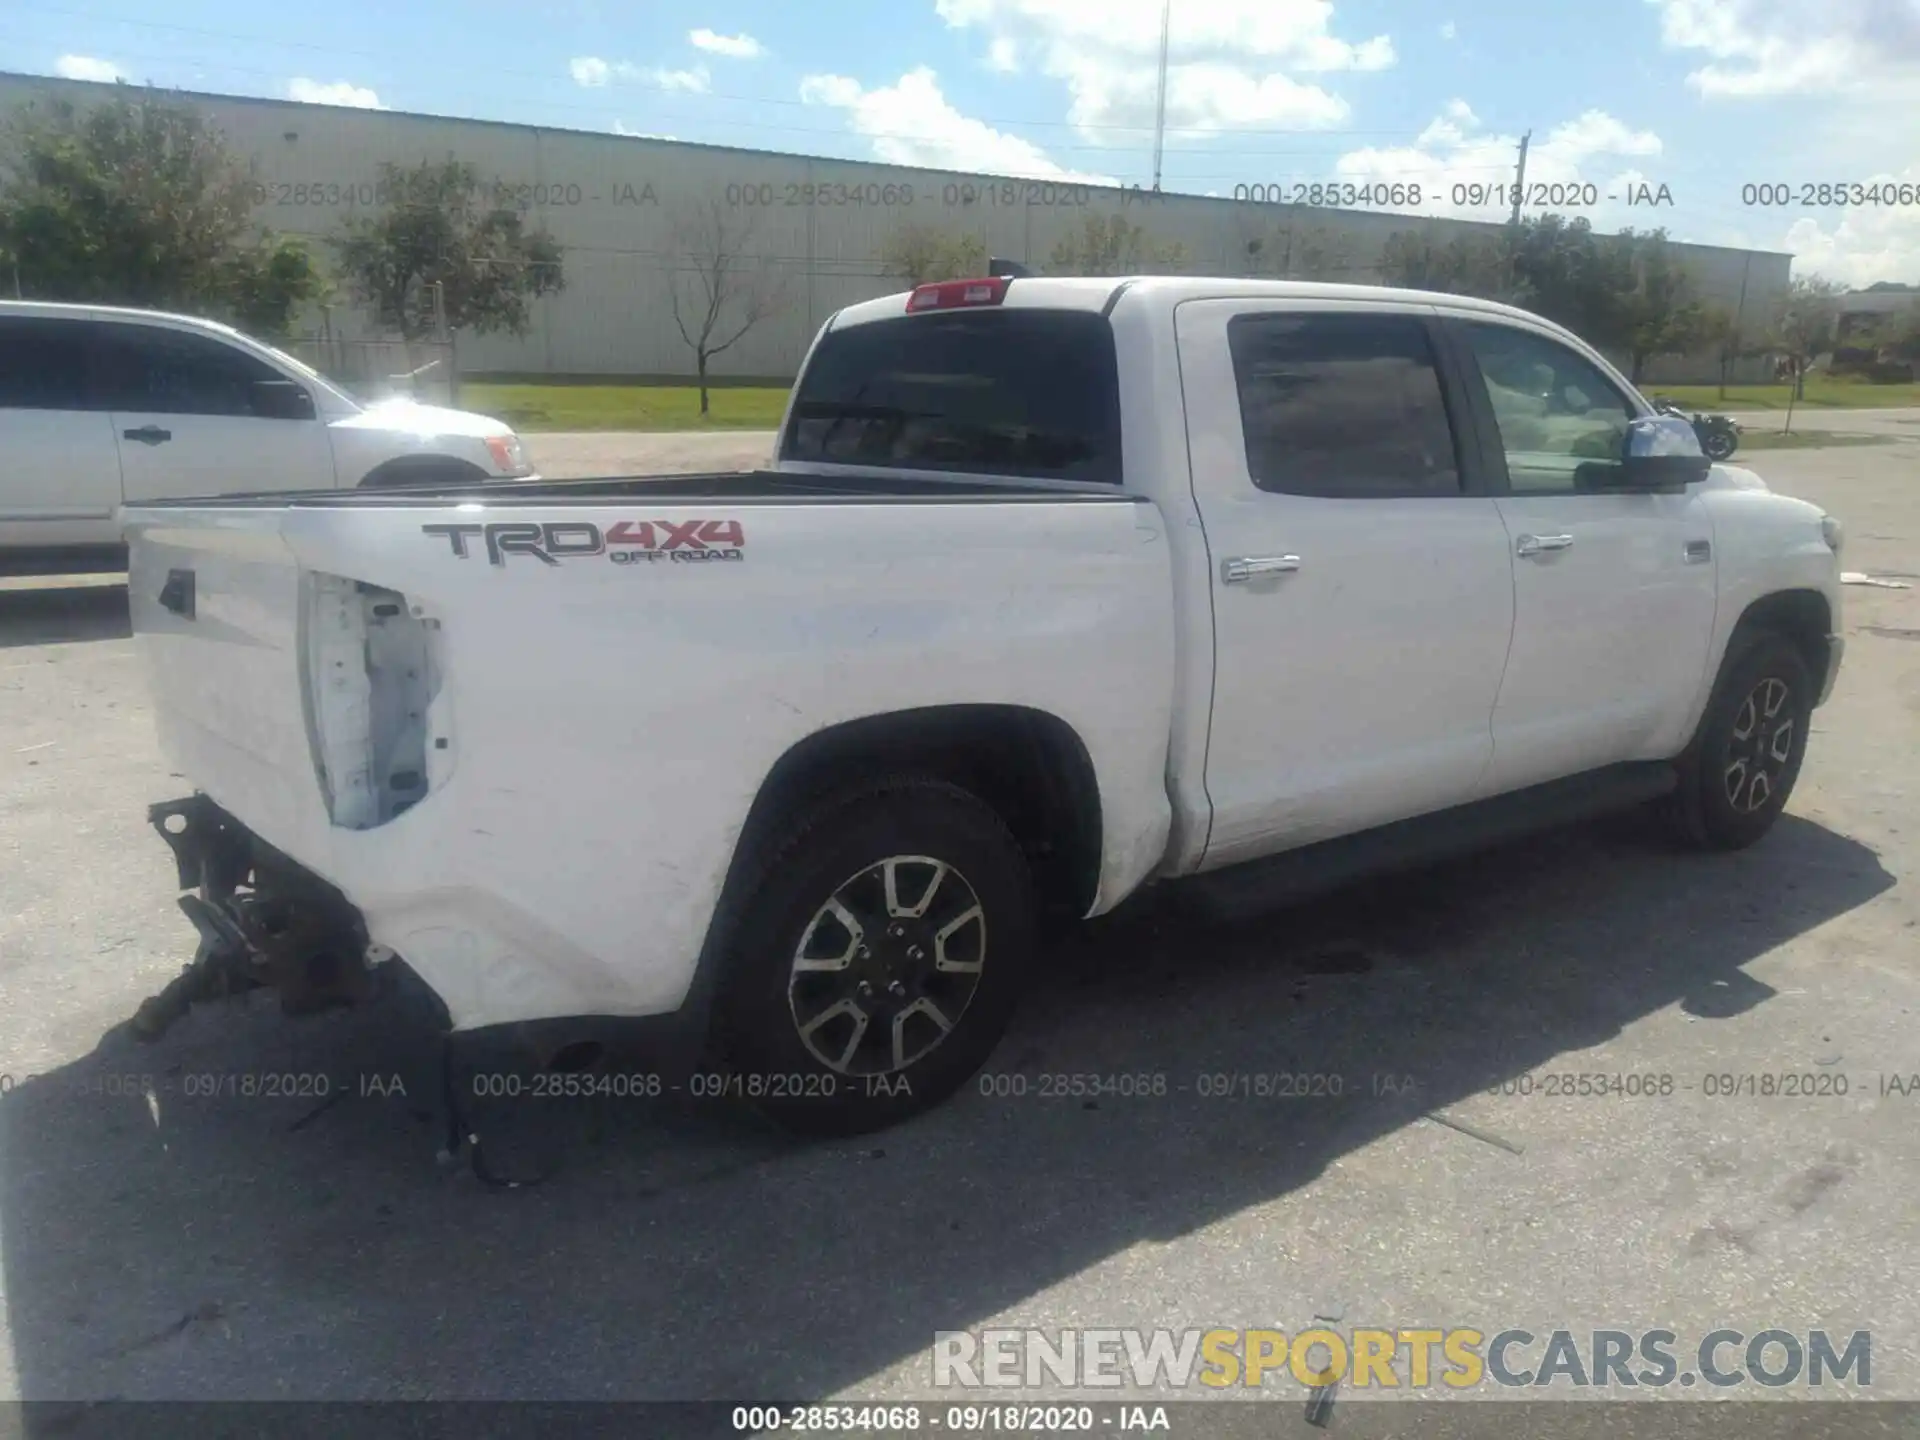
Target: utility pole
[[1160, 105], [1513, 220], [1520, 180]]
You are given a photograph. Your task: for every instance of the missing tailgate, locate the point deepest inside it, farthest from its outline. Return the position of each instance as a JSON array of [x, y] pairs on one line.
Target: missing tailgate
[[376, 720]]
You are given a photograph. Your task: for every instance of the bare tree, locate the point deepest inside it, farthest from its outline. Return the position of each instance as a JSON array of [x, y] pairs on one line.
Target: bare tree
[[719, 289]]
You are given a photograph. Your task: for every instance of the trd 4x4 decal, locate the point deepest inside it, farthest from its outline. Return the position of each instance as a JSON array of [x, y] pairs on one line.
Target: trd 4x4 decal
[[625, 542]]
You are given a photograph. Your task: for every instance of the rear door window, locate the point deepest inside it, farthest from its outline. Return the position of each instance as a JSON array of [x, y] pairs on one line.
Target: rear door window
[[1001, 392], [1342, 405], [43, 364]]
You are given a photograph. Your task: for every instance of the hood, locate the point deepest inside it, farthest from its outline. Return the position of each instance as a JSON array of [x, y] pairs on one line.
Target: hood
[[1732, 477], [410, 417]]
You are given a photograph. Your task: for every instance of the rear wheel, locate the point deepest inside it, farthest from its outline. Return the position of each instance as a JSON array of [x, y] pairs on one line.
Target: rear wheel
[[1718, 444], [876, 962], [1746, 755]]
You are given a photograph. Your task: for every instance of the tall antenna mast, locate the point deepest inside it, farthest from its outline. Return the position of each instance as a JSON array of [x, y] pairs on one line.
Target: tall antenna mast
[[1160, 105]]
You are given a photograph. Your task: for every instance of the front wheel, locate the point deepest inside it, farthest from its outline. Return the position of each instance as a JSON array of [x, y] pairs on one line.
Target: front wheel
[[877, 961], [1746, 755], [1718, 444]]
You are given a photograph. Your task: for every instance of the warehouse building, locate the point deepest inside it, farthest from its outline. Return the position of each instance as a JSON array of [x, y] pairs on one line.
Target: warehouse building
[[634, 215]]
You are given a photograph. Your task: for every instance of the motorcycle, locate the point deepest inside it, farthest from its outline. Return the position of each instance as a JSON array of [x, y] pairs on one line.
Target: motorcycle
[[1719, 434]]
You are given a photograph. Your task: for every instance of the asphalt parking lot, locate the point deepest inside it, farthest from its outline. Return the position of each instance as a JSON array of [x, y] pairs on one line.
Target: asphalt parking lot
[[236, 1247]]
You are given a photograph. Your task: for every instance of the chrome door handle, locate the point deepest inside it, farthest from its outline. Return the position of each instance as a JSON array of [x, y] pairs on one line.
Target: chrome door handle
[[1233, 572], [1540, 544]]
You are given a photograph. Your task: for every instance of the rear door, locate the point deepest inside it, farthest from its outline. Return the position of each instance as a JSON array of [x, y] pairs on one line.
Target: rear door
[[186, 416], [59, 467], [1362, 596], [1614, 594]]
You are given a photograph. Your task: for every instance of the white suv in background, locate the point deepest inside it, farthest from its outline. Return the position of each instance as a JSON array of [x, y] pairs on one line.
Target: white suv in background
[[101, 407]]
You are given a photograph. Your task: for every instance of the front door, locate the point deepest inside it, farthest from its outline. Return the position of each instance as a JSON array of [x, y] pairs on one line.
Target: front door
[[1614, 593], [1362, 597], [183, 407]]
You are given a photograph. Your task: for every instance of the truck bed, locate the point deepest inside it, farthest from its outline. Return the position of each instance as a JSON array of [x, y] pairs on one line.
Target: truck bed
[[520, 726]]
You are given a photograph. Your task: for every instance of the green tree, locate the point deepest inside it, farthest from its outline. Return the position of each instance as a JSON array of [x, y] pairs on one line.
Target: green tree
[[1803, 327], [1900, 335], [437, 249], [918, 254], [1659, 314], [1576, 278], [1893, 336], [1476, 264], [1109, 245], [138, 201]]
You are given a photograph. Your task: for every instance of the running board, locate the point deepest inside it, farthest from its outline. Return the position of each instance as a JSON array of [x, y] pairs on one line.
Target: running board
[[1254, 886]]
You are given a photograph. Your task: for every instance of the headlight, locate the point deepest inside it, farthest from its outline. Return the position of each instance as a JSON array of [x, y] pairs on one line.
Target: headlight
[[508, 453], [1831, 532]]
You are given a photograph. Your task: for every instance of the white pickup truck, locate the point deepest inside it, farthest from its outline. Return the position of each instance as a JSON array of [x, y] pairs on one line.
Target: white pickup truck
[[1054, 588]]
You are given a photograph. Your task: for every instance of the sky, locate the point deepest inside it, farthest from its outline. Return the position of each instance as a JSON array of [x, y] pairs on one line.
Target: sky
[[1707, 98]]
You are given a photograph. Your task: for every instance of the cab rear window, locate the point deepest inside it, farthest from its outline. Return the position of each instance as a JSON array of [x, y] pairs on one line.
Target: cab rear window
[[1032, 393]]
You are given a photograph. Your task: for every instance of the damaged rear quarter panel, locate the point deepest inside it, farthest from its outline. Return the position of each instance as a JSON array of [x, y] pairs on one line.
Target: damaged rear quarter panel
[[616, 717]]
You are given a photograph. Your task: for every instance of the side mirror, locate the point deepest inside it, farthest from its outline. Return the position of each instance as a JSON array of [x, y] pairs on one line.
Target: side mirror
[[282, 400], [1661, 455]]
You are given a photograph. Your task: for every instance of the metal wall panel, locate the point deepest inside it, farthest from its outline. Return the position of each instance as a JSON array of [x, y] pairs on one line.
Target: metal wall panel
[[614, 203]]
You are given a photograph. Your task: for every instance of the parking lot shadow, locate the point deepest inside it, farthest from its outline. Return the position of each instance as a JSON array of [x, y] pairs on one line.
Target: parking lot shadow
[[52, 613], [168, 1235]]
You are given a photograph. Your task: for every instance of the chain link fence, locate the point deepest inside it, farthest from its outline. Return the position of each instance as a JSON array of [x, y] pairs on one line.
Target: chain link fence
[[375, 370]]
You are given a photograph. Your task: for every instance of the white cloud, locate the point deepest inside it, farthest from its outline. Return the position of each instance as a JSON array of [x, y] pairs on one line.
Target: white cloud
[[338, 92], [1859, 246], [1235, 59], [734, 47], [589, 70], [693, 81], [1449, 31], [912, 123], [1454, 149], [1003, 55], [620, 128], [1757, 48], [86, 67], [1203, 95]]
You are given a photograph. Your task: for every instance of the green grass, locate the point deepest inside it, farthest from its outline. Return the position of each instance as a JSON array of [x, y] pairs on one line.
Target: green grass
[[1751, 439], [1821, 395], [626, 407]]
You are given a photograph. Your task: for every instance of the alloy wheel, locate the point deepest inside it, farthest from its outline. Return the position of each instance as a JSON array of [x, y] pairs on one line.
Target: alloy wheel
[[887, 966], [1762, 744]]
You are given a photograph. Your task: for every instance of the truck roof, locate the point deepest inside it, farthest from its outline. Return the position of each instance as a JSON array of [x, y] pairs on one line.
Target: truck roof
[[58, 309], [1056, 292]]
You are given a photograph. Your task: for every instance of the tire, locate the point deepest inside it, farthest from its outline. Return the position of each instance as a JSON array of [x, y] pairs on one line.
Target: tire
[[1745, 757], [810, 1047], [1718, 445]]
